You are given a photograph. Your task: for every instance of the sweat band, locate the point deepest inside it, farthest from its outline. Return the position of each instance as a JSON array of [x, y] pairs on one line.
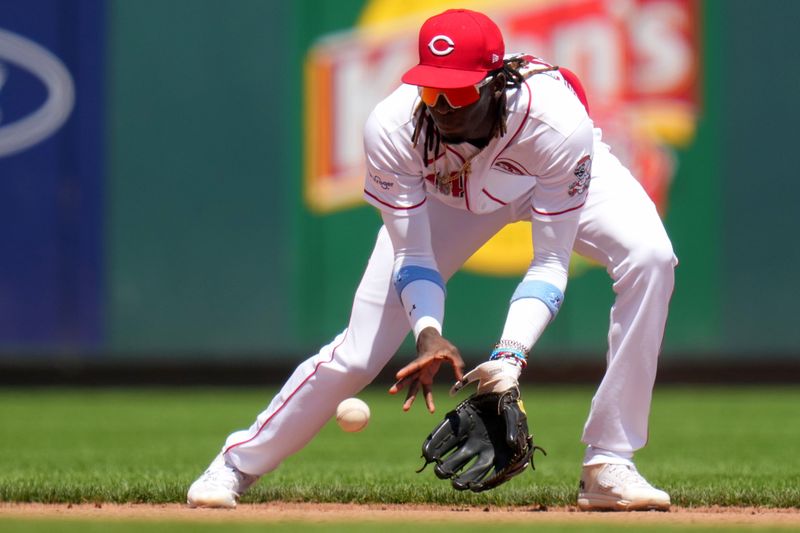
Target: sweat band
[[548, 293], [410, 273]]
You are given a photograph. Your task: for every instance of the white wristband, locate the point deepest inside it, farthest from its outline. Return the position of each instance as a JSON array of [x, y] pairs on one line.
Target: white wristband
[[423, 301], [426, 322]]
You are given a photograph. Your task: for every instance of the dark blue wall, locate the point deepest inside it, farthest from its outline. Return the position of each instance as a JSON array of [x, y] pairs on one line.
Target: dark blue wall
[[51, 192]]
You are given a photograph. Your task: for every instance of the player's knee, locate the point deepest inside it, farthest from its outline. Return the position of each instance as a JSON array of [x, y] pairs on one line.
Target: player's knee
[[655, 261]]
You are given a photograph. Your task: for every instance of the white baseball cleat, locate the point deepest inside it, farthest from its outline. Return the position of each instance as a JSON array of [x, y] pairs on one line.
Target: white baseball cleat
[[221, 485], [616, 487]]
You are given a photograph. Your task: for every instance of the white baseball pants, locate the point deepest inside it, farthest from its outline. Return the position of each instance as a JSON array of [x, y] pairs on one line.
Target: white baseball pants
[[619, 228]]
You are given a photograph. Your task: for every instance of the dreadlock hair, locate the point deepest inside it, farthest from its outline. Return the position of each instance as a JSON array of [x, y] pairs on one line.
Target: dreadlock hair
[[433, 139]]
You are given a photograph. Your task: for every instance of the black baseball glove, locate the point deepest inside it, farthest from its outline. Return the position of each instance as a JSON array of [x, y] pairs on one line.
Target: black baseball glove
[[489, 428]]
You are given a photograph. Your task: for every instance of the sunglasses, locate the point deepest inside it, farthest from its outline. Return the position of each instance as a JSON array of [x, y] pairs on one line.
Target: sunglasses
[[455, 98]]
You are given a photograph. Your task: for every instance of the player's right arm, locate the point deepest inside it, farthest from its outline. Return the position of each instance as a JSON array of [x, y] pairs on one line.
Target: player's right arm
[[394, 185], [422, 291]]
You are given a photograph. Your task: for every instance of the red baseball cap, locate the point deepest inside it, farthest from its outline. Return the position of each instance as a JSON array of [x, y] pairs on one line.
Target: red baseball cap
[[457, 48]]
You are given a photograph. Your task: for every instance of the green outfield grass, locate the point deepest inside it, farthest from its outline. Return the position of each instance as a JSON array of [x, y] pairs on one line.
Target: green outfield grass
[[725, 446]]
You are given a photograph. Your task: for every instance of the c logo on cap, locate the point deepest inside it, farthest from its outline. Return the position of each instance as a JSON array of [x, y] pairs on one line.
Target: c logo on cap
[[444, 51]]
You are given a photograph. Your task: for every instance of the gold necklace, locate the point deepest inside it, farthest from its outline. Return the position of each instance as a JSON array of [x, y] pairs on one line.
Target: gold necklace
[[464, 171], [466, 166]]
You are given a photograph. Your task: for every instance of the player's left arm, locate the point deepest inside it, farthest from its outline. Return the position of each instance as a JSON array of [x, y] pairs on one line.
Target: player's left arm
[[558, 197], [533, 306], [485, 441]]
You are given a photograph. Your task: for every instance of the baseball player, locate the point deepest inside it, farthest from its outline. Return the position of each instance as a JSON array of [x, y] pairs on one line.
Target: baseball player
[[473, 140]]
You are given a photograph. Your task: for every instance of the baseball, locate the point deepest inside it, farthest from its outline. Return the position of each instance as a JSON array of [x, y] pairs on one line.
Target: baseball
[[352, 415]]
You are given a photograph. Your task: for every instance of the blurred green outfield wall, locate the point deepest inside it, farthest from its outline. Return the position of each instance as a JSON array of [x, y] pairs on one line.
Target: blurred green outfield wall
[[203, 207], [211, 250]]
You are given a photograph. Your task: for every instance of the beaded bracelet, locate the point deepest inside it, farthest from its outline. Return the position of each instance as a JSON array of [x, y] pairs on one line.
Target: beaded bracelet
[[501, 353], [514, 345], [512, 349]]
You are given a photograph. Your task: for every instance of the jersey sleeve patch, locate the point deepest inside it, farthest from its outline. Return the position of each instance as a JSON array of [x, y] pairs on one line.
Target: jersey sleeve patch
[[583, 175], [561, 197]]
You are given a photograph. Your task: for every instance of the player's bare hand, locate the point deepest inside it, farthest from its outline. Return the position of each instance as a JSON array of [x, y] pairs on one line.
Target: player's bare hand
[[432, 351]]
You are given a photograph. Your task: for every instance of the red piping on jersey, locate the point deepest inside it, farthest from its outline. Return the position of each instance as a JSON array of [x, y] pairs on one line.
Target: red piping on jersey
[[278, 410], [557, 212], [521, 124], [390, 205], [436, 158], [461, 157], [466, 177], [501, 202], [519, 129], [520, 165]]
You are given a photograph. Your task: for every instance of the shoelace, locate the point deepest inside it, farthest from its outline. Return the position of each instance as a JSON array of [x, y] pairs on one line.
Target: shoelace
[[226, 476], [625, 475]]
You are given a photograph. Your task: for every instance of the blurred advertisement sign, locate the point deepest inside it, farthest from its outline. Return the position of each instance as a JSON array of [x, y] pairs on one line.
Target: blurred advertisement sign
[[21, 53], [638, 60], [51, 167]]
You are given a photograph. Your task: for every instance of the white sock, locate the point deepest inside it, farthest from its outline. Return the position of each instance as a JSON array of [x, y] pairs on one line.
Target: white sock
[[596, 456]]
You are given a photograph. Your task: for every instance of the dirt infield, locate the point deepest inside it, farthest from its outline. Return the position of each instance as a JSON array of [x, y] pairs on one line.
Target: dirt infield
[[307, 512]]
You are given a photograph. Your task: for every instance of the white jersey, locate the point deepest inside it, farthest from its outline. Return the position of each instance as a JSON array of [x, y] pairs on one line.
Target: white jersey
[[547, 148]]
